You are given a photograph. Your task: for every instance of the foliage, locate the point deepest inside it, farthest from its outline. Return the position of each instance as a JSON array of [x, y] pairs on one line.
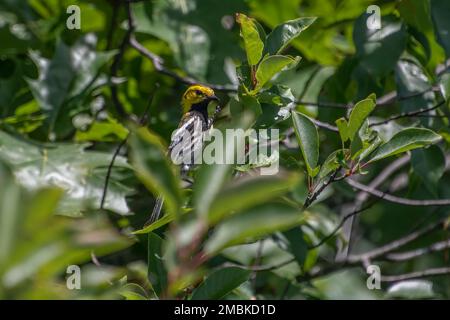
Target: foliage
[[86, 117]]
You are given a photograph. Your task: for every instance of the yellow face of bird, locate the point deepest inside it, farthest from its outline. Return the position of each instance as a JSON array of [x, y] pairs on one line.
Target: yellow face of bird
[[196, 94]]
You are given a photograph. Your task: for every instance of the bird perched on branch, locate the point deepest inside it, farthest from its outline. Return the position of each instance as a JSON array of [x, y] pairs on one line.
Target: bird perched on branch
[[188, 137]]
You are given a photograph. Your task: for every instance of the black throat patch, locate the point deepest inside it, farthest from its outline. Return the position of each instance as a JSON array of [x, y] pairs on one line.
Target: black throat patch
[[201, 107]]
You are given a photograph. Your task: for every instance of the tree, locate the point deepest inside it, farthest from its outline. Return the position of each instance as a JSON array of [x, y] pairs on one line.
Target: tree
[[357, 92]]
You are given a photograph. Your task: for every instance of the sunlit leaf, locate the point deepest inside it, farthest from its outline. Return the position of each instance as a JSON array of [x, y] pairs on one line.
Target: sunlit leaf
[[405, 140], [284, 33], [253, 38]]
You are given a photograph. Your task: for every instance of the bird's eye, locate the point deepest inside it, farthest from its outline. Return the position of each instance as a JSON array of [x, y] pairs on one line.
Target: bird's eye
[[198, 92]]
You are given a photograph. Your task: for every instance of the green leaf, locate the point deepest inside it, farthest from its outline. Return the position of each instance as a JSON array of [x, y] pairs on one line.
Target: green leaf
[[405, 140], [308, 139], [153, 168], [342, 127], [412, 80], [439, 15], [53, 83], [331, 164], [247, 192], [270, 66], [252, 224], [297, 244], [379, 50], [211, 178], [429, 165], [67, 166], [284, 33], [221, 282], [411, 289], [253, 39], [70, 74], [359, 114], [444, 82], [168, 217], [108, 130], [157, 273]]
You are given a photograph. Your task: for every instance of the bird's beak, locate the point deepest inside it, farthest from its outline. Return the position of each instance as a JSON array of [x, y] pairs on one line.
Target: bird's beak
[[214, 98]]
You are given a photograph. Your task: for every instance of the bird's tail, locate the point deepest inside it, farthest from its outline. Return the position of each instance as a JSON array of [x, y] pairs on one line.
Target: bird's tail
[[156, 213]]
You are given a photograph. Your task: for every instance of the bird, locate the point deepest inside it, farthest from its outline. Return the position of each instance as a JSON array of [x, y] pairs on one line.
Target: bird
[[194, 122]]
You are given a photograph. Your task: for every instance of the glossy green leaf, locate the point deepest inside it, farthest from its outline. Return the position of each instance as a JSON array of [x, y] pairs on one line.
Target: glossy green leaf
[[444, 82], [405, 140], [270, 66], [412, 80], [359, 114], [331, 164], [67, 166], [248, 192], [308, 139], [284, 33], [342, 125], [379, 50], [251, 224], [221, 282], [253, 38]]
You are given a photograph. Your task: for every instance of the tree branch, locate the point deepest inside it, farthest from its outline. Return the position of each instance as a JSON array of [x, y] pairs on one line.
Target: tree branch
[[407, 114], [416, 275], [408, 255], [399, 200], [396, 244], [159, 66]]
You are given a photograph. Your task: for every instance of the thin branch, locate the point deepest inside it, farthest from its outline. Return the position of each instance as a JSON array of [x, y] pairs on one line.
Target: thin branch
[[408, 255], [324, 125], [109, 171], [361, 198], [341, 223], [312, 197], [259, 268], [417, 275], [407, 114], [408, 202], [159, 66], [141, 121], [396, 244]]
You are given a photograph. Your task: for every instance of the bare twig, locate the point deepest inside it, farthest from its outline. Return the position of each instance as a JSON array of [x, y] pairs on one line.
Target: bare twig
[[417, 275], [395, 199], [361, 198], [324, 125], [396, 244], [313, 196], [109, 171], [408, 255], [340, 224], [407, 114], [122, 143], [158, 63]]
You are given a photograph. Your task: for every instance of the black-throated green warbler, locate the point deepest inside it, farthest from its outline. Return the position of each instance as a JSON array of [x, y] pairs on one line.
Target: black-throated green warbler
[[194, 122]]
